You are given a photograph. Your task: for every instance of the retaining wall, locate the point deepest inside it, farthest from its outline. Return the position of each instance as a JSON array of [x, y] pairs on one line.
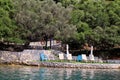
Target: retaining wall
[[32, 58], [24, 56]]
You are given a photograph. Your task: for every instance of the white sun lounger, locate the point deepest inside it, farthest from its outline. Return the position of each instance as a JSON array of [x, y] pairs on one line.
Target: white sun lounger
[[61, 56], [69, 56], [84, 57]]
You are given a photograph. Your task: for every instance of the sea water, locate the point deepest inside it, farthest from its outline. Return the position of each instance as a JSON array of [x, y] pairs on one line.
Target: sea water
[[13, 72]]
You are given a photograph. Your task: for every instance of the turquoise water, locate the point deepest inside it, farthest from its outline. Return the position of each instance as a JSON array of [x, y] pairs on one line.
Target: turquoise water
[[38, 73]]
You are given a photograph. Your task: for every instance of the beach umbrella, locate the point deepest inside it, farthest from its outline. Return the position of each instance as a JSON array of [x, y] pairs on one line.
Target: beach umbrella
[[68, 55], [91, 56], [91, 51], [67, 49]]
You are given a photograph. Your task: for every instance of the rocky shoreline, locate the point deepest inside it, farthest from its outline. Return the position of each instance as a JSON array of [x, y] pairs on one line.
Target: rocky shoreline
[[32, 58], [72, 65]]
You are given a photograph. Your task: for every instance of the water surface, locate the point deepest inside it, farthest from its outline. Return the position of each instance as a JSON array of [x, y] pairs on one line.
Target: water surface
[[38, 73]]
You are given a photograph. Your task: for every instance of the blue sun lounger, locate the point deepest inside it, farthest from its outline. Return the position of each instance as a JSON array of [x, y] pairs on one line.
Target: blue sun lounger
[[79, 58], [43, 57]]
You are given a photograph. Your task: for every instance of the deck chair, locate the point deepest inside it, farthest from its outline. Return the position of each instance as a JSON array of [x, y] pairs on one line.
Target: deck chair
[[69, 56], [79, 58], [91, 57], [84, 57], [43, 57], [61, 56]]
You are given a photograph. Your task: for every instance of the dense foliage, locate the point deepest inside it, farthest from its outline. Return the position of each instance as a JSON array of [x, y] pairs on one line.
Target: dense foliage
[[7, 24], [77, 22], [98, 22], [43, 20]]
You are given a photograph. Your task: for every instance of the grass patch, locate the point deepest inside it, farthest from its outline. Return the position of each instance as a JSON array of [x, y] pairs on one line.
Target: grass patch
[[76, 62]]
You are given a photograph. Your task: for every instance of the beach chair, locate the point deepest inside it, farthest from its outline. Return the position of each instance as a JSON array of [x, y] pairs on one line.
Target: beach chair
[[43, 57], [84, 57], [61, 56], [79, 58], [91, 57], [69, 56]]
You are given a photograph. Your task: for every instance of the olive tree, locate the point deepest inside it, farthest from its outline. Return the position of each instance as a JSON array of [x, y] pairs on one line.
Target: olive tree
[[43, 20]]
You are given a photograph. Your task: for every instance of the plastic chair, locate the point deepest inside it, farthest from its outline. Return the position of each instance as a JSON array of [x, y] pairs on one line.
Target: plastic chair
[[82, 57], [79, 58], [43, 57]]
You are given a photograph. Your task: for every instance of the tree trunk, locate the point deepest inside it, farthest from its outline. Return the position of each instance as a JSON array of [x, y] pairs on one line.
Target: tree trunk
[[46, 43], [50, 43]]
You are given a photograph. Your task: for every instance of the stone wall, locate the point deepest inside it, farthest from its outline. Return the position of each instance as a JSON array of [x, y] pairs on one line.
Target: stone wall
[[9, 57], [80, 65], [24, 56], [113, 61], [32, 58]]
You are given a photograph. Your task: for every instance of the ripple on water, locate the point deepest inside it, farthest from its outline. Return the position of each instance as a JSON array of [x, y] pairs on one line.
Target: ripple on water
[[38, 73]]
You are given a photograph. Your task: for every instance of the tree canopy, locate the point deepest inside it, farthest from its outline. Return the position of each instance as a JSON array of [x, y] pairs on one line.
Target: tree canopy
[[77, 22], [43, 20], [7, 24], [97, 22]]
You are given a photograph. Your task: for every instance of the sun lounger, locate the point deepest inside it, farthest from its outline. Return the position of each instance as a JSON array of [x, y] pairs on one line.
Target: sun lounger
[[43, 57], [91, 57], [79, 58], [69, 56], [82, 57], [61, 56]]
